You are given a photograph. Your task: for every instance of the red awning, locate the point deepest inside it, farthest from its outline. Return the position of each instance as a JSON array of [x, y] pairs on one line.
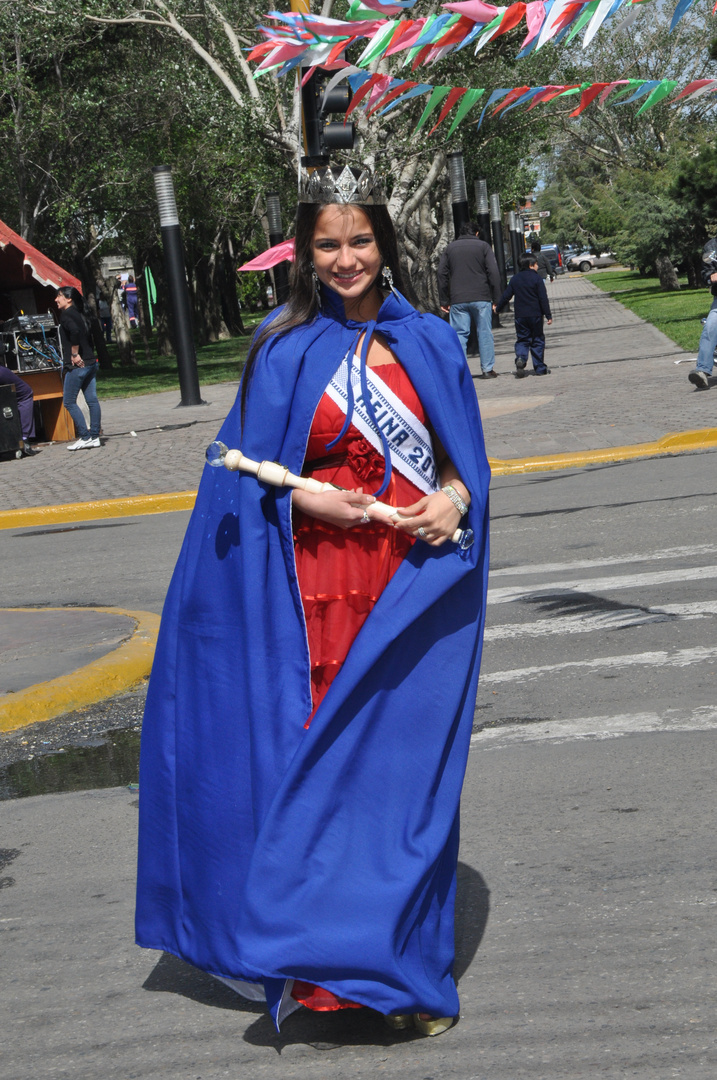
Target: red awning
[[42, 269]]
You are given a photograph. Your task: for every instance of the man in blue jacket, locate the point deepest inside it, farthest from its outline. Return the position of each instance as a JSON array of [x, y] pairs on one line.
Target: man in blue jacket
[[531, 305]]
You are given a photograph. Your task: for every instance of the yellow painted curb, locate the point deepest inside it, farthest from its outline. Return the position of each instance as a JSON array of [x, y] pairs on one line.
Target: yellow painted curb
[[112, 674], [679, 442], [132, 506]]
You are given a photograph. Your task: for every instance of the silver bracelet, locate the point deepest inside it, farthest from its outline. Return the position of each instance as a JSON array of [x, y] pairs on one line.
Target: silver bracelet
[[460, 505]]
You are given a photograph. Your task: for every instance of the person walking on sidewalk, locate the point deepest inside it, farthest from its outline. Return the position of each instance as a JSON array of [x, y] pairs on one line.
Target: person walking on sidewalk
[[545, 267], [468, 286], [708, 339], [531, 305], [79, 369]]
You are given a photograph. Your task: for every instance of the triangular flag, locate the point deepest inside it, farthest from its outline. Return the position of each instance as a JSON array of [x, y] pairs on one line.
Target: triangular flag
[[660, 92], [699, 86], [361, 93], [518, 92], [495, 96], [682, 8], [645, 88], [588, 95], [377, 43], [454, 96], [601, 13], [402, 86], [416, 91], [586, 16], [465, 106], [434, 100]]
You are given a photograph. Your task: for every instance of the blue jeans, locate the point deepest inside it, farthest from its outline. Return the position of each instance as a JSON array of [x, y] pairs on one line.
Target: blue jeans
[[708, 341], [82, 378], [480, 313]]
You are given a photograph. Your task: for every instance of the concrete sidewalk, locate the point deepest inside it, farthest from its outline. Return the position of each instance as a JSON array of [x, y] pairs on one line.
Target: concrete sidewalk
[[613, 383]]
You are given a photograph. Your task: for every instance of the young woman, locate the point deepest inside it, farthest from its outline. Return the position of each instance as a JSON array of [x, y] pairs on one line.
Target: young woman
[[79, 370], [311, 704]]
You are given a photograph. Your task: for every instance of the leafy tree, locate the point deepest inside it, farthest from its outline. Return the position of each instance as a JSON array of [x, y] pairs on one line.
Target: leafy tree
[[611, 174], [212, 38]]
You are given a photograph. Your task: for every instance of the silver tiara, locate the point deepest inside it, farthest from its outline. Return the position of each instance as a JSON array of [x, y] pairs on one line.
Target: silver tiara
[[334, 184]]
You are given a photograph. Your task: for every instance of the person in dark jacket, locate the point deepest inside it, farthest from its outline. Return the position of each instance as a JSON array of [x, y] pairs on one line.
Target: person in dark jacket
[[531, 305], [545, 267], [468, 286], [79, 369]]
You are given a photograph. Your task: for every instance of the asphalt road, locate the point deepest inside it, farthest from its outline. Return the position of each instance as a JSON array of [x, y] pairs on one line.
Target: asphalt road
[[585, 927]]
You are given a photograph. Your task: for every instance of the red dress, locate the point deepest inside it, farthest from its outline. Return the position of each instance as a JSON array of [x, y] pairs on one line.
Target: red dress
[[342, 572]]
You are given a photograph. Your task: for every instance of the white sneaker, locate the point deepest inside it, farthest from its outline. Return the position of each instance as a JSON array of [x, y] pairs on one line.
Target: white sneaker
[[79, 444], [90, 442]]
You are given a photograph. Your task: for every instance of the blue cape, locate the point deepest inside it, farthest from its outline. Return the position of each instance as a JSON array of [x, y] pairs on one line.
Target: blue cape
[[269, 852]]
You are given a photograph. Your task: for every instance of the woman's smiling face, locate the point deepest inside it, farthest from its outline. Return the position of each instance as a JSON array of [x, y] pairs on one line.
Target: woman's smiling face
[[346, 256]]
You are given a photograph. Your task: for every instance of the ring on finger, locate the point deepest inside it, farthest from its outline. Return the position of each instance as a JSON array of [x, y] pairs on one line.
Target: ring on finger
[[365, 519], [422, 533]]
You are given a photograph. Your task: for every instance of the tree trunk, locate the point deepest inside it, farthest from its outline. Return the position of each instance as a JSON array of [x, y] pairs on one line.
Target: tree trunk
[[161, 308], [228, 287], [121, 327], [144, 327], [666, 273], [98, 284], [207, 304], [694, 266]]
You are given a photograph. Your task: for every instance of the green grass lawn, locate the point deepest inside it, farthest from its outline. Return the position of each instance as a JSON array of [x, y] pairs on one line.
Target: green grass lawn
[[222, 361], [676, 314]]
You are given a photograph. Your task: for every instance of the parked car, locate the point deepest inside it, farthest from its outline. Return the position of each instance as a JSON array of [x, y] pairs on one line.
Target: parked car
[[568, 252], [586, 261]]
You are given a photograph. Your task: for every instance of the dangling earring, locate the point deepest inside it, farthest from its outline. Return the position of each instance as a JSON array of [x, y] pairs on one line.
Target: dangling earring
[[315, 280], [387, 279]]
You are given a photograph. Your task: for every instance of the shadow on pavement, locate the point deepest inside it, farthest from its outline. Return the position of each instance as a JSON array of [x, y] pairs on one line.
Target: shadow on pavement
[[323, 1031]]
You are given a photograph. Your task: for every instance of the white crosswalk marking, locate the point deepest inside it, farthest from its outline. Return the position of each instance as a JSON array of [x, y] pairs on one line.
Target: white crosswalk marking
[[597, 585], [681, 658], [597, 727], [609, 620], [693, 551], [551, 655]]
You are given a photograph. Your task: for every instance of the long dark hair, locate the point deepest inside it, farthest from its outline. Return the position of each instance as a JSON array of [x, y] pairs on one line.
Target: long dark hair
[[303, 304], [73, 294]]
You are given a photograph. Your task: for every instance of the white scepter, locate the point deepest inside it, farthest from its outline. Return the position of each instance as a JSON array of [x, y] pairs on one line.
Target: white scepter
[[270, 472]]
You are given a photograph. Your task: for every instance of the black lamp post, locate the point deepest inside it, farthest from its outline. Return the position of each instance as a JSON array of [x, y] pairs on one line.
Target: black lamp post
[[483, 210], [181, 325], [459, 192], [496, 225], [276, 235], [516, 248]]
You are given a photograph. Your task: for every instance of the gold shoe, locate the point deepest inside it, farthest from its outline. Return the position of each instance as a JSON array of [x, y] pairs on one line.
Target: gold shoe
[[400, 1022], [435, 1026]]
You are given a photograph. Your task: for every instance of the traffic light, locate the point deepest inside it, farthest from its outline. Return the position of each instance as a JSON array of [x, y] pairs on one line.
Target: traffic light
[[321, 135]]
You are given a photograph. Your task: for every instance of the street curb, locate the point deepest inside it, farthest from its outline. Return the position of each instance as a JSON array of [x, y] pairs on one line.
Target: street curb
[[112, 674], [678, 442], [64, 513]]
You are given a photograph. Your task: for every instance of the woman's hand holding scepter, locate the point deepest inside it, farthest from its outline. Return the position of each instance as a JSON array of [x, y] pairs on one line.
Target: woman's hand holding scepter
[[270, 472]]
